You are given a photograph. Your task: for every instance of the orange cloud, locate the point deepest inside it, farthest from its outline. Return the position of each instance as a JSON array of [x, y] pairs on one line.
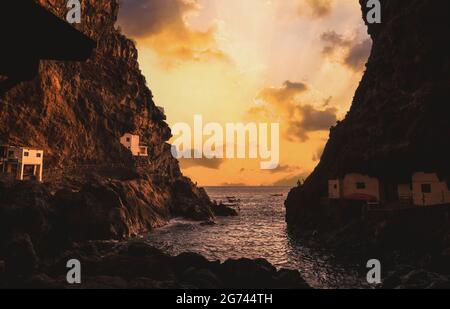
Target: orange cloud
[[349, 52], [161, 26], [291, 105], [315, 8]]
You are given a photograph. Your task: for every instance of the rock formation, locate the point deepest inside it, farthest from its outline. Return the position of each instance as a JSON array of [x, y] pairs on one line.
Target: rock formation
[[137, 265], [77, 112], [399, 120]]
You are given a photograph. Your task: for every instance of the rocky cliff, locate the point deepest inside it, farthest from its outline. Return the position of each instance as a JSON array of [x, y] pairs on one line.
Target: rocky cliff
[[399, 120], [77, 112]]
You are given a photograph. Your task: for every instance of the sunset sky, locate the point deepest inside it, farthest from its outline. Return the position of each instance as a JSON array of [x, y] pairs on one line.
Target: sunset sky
[[297, 62]]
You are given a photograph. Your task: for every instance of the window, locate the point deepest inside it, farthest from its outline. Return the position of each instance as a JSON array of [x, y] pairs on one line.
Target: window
[[128, 139], [360, 185], [38, 155], [11, 153], [426, 188], [335, 186], [26, 154]]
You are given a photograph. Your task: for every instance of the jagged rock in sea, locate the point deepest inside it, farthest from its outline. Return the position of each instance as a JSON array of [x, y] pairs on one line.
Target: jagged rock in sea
[[77, 112], [399, 120]]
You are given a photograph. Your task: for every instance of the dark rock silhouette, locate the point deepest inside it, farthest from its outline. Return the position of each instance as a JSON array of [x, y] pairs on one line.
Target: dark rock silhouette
[[29, 33], [399, 116], [222, 210], [138, 265], [397, 125]]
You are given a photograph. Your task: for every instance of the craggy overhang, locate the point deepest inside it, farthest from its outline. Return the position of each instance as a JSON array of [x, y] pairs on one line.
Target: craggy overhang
[[29, 33]]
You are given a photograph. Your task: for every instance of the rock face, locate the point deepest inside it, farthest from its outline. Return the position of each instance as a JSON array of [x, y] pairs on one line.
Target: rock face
[[76, 113], [398, 122], [137, 265]]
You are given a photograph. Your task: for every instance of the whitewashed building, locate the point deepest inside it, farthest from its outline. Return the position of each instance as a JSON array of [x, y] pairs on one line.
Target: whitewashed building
[[429, 190], [21, 162], [132, 143], [354, 187]]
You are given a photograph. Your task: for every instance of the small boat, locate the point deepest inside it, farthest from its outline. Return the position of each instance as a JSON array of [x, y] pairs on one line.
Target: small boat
[[276, 195]]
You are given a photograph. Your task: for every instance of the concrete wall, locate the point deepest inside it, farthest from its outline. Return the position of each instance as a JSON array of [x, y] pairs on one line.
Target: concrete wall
[[35, 157], [334, 189], [131, 142], [349, 185], [439, 194], [18, 157]]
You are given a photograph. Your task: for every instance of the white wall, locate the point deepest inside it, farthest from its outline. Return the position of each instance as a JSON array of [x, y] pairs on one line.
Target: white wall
[[439, 194], [334, 189], [349, 187], [132, 143], [34, 157]]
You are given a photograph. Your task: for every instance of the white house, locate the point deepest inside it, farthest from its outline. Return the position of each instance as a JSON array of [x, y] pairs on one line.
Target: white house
[[429, 190], [132, 143], [354, 187], [21, 162]]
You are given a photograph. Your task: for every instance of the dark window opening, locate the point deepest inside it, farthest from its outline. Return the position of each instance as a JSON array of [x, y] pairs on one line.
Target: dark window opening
[[426, 188], [26, 154], [360, 185], [38, 155], [128, 139], [11, 153]]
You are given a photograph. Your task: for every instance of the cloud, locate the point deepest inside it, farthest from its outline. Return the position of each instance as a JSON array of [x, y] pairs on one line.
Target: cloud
[[357, 56], [203, 162], [315, 8], [284, 169], [318, 154], [351, 53], [284, 94], [294, 106], [187, 163], [161, 25]]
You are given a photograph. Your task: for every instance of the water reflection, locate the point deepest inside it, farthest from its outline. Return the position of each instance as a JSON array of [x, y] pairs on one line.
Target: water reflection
[[259, 232]]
